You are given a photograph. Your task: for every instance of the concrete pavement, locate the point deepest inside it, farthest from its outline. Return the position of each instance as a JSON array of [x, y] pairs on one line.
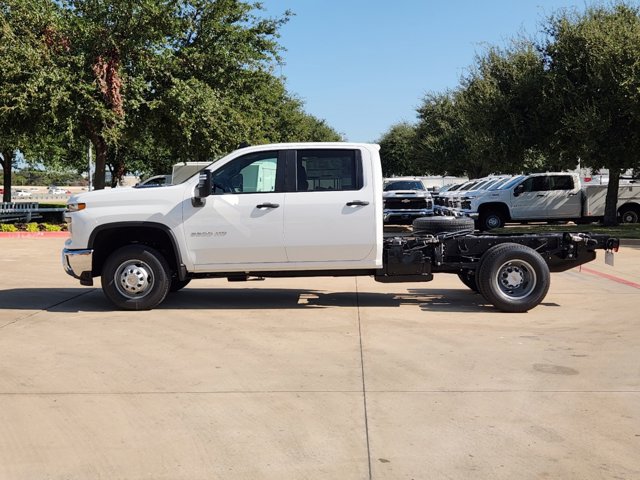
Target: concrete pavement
[[317, 378]]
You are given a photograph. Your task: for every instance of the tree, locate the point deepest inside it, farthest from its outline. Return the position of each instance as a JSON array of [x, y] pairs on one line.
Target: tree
[[493, 122], [501, 103], [441, 145], [396, 151], [29, 81], [186, 74], [592, 62]]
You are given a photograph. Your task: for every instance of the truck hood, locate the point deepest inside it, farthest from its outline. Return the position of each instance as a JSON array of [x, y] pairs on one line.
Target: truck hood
[[406, 193], [129, 197]]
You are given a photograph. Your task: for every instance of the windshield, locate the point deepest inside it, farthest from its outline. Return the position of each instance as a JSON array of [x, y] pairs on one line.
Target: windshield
[[512, 182], [404, 185], [499, 183]]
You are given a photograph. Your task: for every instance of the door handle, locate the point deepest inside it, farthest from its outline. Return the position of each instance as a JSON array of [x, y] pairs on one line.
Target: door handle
[[268, 205], [357, 203], [541, 195]]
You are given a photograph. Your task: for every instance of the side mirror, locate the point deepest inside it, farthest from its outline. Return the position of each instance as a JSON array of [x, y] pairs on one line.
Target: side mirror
[[203, 190], [518, 190]]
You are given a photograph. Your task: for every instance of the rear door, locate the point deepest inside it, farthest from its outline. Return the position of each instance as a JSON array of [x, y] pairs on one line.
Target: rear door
[[329, 207]]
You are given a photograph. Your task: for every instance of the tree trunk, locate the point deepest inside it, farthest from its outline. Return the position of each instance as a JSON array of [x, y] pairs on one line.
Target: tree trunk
[[611, 205], [100, 147], [6, 161]]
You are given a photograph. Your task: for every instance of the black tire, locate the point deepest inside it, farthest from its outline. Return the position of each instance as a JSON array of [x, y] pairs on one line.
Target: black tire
[[178, 284], [629, 214], [491, 219], [512, 277], [136, 277], [434, 225], [468, 277]]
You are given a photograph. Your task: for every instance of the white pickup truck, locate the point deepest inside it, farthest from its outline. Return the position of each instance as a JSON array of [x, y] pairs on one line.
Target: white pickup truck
[[545, 197], [295, 210]]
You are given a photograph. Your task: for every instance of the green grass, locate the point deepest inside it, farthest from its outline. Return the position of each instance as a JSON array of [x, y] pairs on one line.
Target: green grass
[[627, 230]]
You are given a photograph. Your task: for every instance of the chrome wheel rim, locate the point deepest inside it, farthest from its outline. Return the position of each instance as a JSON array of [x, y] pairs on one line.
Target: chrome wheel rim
[[493, 221], [630, 217], [134, 279], [515, 279]]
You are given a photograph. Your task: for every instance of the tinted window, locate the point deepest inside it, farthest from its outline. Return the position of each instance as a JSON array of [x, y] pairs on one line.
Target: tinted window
[[325, 170], [536, 184], [253, 173], [561, 182]]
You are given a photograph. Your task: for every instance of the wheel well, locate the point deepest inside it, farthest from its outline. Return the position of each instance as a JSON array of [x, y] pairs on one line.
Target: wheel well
[[629, 206], [500, 207], [107, 240]]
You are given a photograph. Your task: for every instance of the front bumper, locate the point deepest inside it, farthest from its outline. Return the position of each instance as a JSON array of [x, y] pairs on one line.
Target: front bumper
[[78, 264], [390, 216]]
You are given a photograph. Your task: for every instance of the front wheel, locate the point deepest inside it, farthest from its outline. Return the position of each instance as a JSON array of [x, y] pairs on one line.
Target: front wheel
[[136, 277], [513, 277], [491, 219]]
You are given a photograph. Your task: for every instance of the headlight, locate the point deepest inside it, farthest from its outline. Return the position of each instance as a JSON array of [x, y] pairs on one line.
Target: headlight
[[76, 207]]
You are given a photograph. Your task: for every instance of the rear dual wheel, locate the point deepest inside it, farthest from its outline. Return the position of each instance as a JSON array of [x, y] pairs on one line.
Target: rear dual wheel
[[513, 277]]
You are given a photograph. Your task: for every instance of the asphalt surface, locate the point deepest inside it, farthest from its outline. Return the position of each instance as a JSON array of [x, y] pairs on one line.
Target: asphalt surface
[[317, 378]]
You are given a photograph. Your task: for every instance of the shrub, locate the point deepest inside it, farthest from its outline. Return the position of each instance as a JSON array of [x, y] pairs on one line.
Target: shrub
[[8, 227], [48, 227]]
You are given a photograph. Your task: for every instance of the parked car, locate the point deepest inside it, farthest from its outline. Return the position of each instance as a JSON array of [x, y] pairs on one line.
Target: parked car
[[57, 191], [20, 193]]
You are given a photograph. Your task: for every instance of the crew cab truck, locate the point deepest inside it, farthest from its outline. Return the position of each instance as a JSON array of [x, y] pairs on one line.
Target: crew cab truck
[[547, 197], [295, 210]]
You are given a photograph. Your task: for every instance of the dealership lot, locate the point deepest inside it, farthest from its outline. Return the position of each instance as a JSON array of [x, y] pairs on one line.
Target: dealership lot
[[319, 378]]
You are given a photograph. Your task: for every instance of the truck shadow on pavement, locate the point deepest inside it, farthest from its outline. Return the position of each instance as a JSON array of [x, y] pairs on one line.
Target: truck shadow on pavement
[[93, 300]]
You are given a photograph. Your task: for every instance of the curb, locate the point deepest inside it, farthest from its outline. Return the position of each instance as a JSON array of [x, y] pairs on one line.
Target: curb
[[630, 242], [34, 234]]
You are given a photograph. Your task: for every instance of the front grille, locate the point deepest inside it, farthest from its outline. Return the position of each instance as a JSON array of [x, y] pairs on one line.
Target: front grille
[[405, 203]]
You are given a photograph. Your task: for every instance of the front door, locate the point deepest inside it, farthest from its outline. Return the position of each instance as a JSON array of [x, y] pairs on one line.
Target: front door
[[246, 209]]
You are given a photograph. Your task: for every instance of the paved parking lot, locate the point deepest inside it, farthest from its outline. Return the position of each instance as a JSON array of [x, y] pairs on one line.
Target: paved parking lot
[[317, 378]]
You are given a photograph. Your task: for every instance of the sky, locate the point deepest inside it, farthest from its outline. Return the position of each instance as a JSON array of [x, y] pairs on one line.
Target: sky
[[365, 65]]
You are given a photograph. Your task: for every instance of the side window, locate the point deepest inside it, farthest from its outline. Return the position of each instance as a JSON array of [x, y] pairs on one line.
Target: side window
[[253, 173], [326, 170], [535, 184], [561, 182]]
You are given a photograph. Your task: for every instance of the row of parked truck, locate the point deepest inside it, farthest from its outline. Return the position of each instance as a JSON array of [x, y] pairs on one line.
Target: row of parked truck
[[493, 201]]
